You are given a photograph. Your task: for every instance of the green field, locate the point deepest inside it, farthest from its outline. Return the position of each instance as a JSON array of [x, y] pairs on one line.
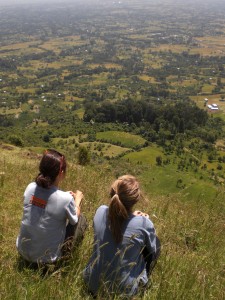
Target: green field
[[105, 149], [145, 156], [168, 179], [101, 149], [123, 138]]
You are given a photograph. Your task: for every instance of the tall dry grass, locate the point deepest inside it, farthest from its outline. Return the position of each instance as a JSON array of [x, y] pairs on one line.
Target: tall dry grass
[[191, 265]]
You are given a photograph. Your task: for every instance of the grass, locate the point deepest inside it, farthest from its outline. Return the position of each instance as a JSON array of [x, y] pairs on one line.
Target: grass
[[211, 99], [99, 79], [105, 65], [56, 44], [65, 62], [21, 51], [30, 90], [17, 283], [207, 88], [80, 113], [11, 111], [101, 149], [222, 115], [165, 179], [191, 232], [145, 156], [73, 98], [125, 139], [172, 48], [147, 78], [105, 149]]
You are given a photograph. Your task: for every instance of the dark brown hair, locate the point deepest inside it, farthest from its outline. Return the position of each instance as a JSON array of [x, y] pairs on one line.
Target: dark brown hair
[[51, 164], [124, 194]]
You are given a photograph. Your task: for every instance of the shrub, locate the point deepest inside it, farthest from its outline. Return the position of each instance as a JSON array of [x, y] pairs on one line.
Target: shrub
[[83, 156], [16, 140]]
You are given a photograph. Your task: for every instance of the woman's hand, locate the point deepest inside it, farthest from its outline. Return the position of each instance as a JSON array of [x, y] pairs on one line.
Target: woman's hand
[[78, 196], [140, 213]]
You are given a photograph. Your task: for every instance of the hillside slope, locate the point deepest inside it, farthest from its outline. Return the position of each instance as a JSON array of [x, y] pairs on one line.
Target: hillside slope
[[191, 232]]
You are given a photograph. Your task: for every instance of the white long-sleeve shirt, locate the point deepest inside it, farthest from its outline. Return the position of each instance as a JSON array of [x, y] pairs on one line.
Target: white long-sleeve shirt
[[43, 226]]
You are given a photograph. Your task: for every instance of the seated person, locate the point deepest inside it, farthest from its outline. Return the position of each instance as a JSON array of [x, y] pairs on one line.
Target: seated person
[[125, 243], [50, 216]]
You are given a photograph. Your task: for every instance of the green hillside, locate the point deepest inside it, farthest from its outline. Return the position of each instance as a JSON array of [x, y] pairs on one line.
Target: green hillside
[[123, 138], [139, 87], [191, 230]]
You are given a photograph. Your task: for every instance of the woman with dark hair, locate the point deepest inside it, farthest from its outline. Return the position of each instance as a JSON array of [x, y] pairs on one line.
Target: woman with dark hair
[[125, 243], [50, 216]]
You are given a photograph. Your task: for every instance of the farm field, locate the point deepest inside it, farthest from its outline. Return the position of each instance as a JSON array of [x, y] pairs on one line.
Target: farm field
[[167, 178], [115, 82], [101, 149], [122, 138], [77, 63], [145, 156]]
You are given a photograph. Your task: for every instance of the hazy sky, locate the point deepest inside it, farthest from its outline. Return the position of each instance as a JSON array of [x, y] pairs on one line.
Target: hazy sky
[[48, 1], [25, 1], [29, 1], [18, 2]]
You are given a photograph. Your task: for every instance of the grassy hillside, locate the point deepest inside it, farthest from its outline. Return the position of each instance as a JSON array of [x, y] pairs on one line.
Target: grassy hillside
[[123, 138], [191, 230]]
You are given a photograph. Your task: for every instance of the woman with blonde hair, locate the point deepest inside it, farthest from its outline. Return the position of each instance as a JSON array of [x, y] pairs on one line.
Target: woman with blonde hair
[[125, 243]]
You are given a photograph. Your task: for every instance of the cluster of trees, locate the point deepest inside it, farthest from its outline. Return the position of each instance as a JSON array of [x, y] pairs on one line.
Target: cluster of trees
[[8, 64], [175, 117]]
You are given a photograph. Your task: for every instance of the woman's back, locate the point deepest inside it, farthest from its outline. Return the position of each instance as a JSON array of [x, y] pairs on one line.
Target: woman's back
[[44, 222], [121, 264]]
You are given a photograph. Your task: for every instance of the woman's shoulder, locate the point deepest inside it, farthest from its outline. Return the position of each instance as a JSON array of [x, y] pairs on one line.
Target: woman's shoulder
[[141, 221], [30, 186], [101, 216], [102, 209], [64, 195]]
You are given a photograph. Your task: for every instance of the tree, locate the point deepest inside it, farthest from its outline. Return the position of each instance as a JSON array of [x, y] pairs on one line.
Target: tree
[[83, 156], [179, 183], [46, 138], [16, 140], [219, 167], [158, 160]]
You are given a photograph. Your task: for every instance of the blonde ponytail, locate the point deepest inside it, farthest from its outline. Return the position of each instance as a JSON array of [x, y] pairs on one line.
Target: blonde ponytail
[[124, 194]]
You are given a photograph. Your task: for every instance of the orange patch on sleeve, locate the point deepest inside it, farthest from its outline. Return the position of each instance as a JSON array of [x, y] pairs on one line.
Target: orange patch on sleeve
[[38, 202]]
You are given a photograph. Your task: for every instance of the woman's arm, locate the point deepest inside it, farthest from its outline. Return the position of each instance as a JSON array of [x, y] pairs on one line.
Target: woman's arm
[[78, 196]]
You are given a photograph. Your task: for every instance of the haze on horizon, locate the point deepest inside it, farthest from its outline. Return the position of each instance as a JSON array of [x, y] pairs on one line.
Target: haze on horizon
[[17, 2]]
